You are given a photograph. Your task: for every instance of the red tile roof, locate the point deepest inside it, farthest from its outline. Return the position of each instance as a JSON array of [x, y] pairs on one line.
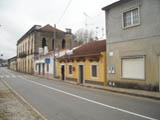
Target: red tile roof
[[92, 48], [89, 49]]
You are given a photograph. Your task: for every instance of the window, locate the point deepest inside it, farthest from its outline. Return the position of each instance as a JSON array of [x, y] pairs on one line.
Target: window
[[47, 67], [133, 68], [28, 45], [53, 44], [94, 70], [131, 18], [70, 69], [44, 43], [63, 44]]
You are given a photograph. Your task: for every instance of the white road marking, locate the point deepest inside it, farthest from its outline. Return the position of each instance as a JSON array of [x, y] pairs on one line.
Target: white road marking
[[92, 101], [1, 76], [7, 76], [19, 76]]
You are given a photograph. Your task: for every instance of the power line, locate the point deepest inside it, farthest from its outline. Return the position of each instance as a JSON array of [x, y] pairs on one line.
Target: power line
[[64, 11]]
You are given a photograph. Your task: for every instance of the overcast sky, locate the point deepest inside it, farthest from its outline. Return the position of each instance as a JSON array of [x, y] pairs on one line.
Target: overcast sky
[[18, 16]]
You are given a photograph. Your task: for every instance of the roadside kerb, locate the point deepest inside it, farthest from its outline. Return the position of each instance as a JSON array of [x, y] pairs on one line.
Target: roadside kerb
[[138, 93]]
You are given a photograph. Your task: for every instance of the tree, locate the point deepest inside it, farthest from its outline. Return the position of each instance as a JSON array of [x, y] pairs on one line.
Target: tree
[[83, 36]]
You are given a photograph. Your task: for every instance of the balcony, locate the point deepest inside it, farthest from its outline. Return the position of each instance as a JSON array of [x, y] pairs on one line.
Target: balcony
[[21, 55]]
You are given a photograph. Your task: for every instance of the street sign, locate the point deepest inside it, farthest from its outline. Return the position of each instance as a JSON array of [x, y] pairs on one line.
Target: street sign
[[47, 60]]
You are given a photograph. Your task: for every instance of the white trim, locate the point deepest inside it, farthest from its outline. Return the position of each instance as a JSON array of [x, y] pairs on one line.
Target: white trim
[[91, 64]]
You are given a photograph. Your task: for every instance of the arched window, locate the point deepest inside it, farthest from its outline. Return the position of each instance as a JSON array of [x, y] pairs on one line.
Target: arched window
[[63, 44], [53, 44], [44, 43]]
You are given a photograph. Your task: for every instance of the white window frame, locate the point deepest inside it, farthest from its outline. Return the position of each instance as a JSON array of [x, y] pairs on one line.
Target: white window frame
[[133, 57], [91, 71], [132, 25]]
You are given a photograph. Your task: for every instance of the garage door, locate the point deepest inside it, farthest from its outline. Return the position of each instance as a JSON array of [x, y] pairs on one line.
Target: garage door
[[133, 68]]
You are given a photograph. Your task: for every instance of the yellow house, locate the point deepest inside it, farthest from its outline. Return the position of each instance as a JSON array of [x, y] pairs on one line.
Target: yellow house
[[86, 64]]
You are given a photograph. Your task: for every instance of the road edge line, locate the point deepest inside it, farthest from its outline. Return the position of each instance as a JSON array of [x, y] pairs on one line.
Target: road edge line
[[24, 101], [93, 101]]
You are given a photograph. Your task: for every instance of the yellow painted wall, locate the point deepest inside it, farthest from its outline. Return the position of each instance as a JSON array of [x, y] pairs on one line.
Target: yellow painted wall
[[101, 69]]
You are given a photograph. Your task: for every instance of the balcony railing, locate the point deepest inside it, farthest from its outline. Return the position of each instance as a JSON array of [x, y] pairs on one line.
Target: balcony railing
[[21, 55]]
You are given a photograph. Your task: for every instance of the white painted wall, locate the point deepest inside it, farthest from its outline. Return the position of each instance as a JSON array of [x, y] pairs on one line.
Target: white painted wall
[[51, 65]]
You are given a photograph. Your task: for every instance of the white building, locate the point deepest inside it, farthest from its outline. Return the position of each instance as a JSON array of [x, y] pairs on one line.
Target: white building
[[44, 62]]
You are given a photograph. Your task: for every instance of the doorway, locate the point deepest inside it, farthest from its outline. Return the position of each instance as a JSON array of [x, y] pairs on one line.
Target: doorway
[[43, 66], [63, 72], [39, 68], [81, 75]]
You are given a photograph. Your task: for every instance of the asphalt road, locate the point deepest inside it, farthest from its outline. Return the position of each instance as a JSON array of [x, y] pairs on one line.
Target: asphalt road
[[57, 100]]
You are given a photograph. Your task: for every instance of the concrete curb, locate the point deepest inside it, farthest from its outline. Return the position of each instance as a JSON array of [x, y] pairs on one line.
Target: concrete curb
[[24, 101], [125, 92], [115, 90]]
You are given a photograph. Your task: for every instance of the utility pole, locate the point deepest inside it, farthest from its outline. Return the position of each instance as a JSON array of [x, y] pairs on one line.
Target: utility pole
[[54, 50]]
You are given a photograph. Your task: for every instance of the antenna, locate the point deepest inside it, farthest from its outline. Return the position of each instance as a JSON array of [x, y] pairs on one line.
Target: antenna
[[86, 27], [97, 33]]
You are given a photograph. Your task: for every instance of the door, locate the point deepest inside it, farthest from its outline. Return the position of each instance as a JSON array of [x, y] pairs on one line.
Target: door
[[63, 72], [43, 68], [39, 65], [81, 76]]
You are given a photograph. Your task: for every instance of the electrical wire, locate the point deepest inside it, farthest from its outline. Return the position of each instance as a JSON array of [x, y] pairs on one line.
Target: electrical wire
[[64, 11]]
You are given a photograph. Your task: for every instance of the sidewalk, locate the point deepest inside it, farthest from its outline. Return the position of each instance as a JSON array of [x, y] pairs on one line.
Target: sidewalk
[[141, 93], [134, 92]]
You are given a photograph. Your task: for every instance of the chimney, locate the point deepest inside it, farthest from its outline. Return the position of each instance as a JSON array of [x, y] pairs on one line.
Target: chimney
[[68, 31]]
